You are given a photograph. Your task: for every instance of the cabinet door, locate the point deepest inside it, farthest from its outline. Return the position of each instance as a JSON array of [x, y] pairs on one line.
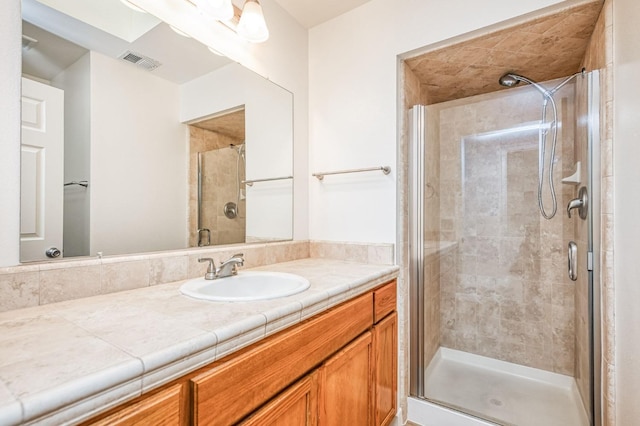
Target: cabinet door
[[385, 342], [236, 386], [345, 385], [162, 408], [297, 406]]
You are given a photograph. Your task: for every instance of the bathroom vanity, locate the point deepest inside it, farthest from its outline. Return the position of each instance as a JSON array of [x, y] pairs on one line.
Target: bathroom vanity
[[155, 356], [300, 376]]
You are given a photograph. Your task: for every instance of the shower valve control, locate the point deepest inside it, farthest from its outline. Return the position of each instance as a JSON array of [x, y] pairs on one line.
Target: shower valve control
[[581, 203]]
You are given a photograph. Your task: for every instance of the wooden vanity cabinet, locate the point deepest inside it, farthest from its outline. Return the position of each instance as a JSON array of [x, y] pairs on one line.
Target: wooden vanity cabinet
[[163, 407], [385, 369], [297, 406], [336, 368], [345, 385], [234, 387]]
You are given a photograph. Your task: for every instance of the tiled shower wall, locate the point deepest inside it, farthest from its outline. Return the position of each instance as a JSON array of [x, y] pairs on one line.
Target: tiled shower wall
[[219, 187], [510, 298]]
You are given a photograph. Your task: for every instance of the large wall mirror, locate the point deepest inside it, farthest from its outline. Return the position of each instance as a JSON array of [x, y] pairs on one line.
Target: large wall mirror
[[138, 139]]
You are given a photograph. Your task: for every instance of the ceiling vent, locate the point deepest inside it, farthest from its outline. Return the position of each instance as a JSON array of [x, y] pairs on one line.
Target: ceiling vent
[[139, 60]]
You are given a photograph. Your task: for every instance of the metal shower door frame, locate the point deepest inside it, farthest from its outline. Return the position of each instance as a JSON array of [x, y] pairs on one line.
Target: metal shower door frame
[[416, 177]]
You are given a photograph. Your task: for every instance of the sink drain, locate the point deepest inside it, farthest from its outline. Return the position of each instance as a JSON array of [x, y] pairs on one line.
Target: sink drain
[[495, 401]]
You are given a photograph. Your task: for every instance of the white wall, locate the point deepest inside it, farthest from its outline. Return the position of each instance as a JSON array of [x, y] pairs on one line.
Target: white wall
[[10, 33], [626, 60], [268, 139], [138, 160], [353, 102], [75, 81]]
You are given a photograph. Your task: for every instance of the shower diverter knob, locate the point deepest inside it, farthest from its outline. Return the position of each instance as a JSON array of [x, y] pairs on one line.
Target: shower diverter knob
[[581, 203]]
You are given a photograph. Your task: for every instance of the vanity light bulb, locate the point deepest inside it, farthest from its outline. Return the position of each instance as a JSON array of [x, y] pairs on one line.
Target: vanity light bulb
[[252, 25], [221, 10]]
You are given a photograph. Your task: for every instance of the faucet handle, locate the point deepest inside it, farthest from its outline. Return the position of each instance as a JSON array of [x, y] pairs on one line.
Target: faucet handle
[[211, 270]]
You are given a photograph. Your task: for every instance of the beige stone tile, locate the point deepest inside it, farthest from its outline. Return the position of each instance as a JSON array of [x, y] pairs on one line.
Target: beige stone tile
[[19, 290], [57, 285], [11, 407], [168, 269], [36, 340], [380, 254], [122, 276]]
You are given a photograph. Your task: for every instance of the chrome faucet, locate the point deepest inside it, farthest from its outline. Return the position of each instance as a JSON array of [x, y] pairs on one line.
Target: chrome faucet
[[227, 268], [230, 267]]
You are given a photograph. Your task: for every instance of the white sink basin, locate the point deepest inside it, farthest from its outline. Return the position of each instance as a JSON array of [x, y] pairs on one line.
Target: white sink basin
[[246, 286]]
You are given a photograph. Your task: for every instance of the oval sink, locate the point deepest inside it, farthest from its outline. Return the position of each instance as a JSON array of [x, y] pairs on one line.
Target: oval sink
[[246, 286]]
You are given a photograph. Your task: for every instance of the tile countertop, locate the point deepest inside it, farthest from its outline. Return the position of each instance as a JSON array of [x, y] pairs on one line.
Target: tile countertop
[[66, 362]]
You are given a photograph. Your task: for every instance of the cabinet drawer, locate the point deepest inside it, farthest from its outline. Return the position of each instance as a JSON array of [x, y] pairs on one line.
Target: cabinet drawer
[[384, 301], [162, 408], [236, 386]]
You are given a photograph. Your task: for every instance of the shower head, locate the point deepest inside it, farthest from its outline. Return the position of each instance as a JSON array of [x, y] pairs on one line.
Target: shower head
[[509, 80], [238, 148], [512, 79]]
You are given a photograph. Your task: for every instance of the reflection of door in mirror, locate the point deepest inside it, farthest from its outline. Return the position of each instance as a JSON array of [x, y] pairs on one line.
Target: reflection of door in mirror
[[41, 177], [217, 213]]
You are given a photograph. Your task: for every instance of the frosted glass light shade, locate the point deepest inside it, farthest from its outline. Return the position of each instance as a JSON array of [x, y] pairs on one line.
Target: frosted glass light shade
[[252, 25], [222, 10]]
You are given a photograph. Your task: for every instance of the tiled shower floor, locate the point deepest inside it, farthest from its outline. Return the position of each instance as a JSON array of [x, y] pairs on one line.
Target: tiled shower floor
[[503, 392]]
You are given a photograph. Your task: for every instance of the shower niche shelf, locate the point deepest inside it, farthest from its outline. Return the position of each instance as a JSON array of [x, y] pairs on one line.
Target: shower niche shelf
[[574, 179]]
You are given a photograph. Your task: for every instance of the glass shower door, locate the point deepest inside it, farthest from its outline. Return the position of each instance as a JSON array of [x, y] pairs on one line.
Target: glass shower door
[[488, 273]]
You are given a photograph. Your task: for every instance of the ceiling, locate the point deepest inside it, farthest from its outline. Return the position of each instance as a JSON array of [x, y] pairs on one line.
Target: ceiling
[[310, 13], [542, 49]]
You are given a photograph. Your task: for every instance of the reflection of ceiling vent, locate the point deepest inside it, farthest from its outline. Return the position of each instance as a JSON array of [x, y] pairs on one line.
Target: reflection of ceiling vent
[[140, 60]]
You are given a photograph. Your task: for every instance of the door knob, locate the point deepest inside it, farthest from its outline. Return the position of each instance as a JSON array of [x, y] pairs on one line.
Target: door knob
[[581, 203], [53, 252]]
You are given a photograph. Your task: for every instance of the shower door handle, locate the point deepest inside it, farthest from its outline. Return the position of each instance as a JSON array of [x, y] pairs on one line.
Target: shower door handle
[[573, 261]]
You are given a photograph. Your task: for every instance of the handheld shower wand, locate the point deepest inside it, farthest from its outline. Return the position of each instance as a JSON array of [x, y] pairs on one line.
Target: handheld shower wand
[[511, 80]]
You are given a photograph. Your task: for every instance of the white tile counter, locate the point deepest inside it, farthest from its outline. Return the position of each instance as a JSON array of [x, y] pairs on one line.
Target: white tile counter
[[65, 362]]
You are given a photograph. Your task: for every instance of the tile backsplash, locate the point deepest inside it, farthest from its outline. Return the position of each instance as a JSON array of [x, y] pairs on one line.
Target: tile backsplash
[[30, 285]]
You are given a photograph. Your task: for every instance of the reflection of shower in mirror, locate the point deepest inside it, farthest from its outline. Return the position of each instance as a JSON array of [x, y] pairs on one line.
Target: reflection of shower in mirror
[[241, 164]]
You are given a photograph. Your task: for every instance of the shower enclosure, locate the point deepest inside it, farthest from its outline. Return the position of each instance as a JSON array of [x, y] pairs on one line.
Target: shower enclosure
[[499, 329], [218, 202]]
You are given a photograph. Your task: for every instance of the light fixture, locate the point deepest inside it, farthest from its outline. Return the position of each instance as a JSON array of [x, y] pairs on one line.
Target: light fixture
[[133, 6], [252, 25], [221, 10]]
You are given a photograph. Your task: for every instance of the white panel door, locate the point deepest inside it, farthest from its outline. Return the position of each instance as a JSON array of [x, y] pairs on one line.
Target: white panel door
[[42, 170]]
